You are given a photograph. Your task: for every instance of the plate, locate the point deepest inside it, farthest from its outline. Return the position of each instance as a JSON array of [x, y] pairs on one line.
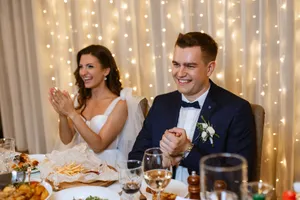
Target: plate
[[48, 188], [84, 192], [175, 187], [39, 158]]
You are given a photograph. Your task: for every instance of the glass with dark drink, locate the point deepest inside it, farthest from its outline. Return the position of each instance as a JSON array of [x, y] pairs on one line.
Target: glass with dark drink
[[130, 177]]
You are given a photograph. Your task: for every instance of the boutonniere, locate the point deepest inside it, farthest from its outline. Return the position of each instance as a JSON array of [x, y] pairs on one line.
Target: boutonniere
[[206, 131]]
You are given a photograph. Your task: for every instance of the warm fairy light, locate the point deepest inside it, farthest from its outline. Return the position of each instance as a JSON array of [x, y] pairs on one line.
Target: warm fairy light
[[201, 15], [151, 98], [70, 50], [168, 16], [96, 25], [112, 41], [134, 88], [48, 46], [163, 44], [51, 33], [168, 84], [99, 37], [68, 62], [51, 66], [182, 26], [133, 61], [147, 44], [92, 12], [124, 6], [125, 35], [274, 134], [283, 6], [254, 16], [53, 78], [89, 36], [237, 80], [170, 70], [282, 120], [162, 2], [219, 75], [71, 84], [146, 16], [262, 93], [130, 49], [126, 75], [128, 18], [45, 11], [163, 30], [150, 85]]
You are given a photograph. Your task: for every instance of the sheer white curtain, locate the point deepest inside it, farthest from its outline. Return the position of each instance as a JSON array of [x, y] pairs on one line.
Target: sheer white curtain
[[259, 41]]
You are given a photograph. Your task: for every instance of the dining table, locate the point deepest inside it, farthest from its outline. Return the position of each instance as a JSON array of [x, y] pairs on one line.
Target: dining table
[[175, 186]]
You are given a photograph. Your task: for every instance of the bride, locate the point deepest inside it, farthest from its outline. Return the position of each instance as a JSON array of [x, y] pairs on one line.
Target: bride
[[98, 114]]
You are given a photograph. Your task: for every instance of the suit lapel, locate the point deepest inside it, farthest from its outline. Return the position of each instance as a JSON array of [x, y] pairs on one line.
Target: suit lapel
[[207, 110], [174, 109]]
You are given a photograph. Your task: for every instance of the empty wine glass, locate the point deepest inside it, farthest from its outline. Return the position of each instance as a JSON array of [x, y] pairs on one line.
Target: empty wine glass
[[130, 176], [7, 153], [258, 188], [223, 172], [157, 170]]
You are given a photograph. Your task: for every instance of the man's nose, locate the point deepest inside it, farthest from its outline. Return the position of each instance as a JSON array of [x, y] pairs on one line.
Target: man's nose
[[181, 71]]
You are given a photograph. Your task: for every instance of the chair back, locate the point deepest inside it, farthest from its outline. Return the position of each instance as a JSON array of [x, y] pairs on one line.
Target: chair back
[[144, 106], [259, 119]]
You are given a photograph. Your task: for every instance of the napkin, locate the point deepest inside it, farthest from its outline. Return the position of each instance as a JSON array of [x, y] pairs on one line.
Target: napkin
[[79, 154]]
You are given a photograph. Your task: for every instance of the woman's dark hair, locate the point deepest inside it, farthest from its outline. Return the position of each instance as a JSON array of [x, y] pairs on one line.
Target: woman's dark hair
[[106, 59], [208, 45]]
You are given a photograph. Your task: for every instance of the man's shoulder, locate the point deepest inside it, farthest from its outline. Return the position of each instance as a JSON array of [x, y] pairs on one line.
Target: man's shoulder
[[170, 95], [226, 97]]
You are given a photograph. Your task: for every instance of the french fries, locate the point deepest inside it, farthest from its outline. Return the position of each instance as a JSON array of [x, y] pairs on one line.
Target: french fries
[[70, 169]]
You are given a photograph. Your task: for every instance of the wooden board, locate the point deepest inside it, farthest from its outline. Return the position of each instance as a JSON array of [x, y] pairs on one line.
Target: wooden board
[[65, 185]]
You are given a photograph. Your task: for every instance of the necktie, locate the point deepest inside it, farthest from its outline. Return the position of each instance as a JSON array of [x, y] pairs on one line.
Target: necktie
[[193, 105]]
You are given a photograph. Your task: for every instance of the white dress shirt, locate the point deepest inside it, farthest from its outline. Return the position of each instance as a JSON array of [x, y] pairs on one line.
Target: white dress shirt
[[188, 118]]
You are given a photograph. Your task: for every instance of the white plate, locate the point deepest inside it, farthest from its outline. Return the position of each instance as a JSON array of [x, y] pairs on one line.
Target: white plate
[[39, 158], [175, 187], [84, 192], [48, 188]]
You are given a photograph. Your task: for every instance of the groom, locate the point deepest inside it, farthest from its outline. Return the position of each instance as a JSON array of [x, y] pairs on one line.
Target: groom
[[200, 118]]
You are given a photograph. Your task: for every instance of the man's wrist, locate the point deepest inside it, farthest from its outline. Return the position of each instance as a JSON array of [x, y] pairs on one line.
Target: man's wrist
[[187, 150]]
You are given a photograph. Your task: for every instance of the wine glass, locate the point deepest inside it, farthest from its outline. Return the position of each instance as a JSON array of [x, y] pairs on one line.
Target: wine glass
[[157, 170], [258, 188], [130, 176], [223, 172], [7, 153]]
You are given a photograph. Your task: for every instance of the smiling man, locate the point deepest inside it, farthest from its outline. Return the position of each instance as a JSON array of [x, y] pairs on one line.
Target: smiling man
[[199, 118]]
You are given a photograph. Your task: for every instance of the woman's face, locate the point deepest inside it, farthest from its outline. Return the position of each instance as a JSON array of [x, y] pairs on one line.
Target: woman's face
[[91, 71]]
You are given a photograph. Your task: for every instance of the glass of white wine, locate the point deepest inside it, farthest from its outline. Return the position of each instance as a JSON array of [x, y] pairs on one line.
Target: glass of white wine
[[157, 170]]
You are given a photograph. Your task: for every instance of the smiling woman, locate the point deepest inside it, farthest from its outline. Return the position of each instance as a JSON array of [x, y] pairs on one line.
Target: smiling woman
[[101, 112]]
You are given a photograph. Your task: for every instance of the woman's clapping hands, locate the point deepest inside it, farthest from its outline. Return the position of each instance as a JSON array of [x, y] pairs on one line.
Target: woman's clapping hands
[[61, 102]]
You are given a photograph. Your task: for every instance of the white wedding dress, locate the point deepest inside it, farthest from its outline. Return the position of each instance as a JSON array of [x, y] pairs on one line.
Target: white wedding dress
[[122, 145]]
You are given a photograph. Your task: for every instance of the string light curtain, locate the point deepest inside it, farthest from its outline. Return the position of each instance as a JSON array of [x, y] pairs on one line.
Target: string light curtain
[[258, 47]]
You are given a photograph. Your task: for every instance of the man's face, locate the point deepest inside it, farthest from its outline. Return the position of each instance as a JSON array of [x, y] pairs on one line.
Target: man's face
[[190, 73]]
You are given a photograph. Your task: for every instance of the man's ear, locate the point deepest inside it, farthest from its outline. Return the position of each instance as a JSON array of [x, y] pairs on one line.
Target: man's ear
[[210, 68]]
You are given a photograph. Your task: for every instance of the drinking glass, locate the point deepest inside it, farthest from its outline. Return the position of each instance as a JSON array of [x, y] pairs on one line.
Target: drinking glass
[[253, 188], [157, 170], [130, 176], [223, 172], [7, 153]]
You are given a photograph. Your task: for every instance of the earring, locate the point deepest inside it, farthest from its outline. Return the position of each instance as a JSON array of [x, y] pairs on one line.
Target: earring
[[105, 78]]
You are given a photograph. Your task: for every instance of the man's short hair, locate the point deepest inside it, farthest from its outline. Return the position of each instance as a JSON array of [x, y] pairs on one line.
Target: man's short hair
[[207, 44]]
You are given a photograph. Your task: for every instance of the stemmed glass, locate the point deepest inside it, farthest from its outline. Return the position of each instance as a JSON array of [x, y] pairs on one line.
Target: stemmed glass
[[7, 153], [157, 170], [223, 175], [130, 176]]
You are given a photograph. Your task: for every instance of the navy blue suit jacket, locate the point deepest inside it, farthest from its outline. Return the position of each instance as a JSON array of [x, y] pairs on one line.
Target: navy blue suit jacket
[[230, 115]]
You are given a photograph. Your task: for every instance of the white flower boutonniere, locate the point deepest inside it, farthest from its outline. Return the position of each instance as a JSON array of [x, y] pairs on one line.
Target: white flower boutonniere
[[206, 131]]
